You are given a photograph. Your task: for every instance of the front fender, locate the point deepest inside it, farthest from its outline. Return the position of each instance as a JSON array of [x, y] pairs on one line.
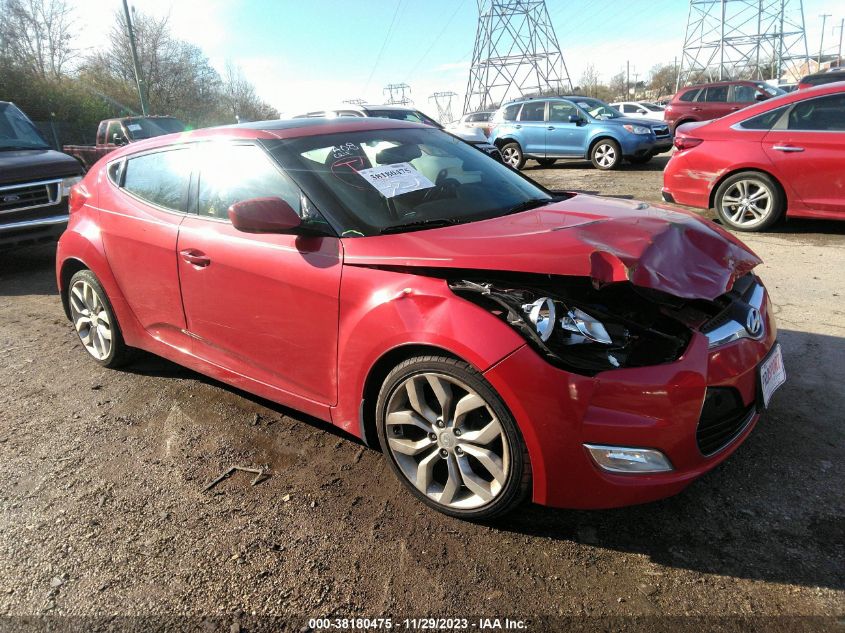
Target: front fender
[[382, 310]]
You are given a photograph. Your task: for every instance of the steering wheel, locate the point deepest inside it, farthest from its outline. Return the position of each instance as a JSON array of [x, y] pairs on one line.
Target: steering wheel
[[443, 185]]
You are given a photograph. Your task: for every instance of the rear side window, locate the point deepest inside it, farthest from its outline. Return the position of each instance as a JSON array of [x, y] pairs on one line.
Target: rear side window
[[824, 114], [509, 113], [765, 121], [533, 111], [160, 178], [234, 173], [689, 95], [718, 94]]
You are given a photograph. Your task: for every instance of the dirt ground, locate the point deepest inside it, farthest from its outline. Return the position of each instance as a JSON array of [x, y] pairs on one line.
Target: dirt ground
[[103, 511]]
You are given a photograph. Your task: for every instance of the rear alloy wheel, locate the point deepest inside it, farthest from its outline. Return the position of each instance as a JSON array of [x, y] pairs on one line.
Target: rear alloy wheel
[[94, 320], [450, 439], [546, 162], [512, 155], [749, 201], [606, 154]]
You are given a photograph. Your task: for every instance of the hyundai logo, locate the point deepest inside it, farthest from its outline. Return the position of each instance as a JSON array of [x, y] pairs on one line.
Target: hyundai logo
[[754, 323], [11, 198]]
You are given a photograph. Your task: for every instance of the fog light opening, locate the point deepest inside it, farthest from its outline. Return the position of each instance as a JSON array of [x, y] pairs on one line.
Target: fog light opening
[[626, 459]]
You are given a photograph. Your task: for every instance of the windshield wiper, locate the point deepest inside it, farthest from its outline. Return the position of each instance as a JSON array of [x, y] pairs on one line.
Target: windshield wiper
[[418, 225], [532, 203]]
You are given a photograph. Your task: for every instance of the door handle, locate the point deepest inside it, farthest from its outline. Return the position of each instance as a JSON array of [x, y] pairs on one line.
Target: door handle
[[195, 258], [518, 127], [551, 127], [696, 109], [787, 148]]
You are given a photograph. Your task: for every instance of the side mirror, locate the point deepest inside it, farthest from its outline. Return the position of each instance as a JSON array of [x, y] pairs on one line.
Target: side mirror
[[264, 215], [574, 118]]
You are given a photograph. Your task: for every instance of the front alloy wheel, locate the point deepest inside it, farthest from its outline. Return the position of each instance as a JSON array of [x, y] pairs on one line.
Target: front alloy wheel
[[450, 438], [606, 154], [512, 155]]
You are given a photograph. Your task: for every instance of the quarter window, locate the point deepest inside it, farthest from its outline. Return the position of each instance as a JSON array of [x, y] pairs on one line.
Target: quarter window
[[690, 95], [824, 114], [160, 178], [533, 111], [233, 173]]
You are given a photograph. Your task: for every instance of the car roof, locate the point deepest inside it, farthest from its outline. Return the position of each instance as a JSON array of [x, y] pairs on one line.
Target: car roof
[[274, 129], [732, 82]]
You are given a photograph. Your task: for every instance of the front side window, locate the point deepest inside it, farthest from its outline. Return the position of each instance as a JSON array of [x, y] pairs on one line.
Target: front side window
[[744, 94], [533, 111], [234, 173], [824, 114], [160, 178], [629, 108], [378, 181], [596, 108], [561, 111]]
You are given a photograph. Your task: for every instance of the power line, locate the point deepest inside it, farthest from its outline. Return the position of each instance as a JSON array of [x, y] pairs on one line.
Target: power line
[[383, 45], [436, 39]]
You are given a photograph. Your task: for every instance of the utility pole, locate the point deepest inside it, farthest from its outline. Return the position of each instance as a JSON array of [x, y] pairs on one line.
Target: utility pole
[[824, 17], [139, 79], [841, 28], [627, 80], [636, 77]]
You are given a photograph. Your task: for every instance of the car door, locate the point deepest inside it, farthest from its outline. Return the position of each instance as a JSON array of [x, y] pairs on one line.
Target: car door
[[716, 102], [142, 205], [262, 305], [809, 151], [531, 124], [565, 138]]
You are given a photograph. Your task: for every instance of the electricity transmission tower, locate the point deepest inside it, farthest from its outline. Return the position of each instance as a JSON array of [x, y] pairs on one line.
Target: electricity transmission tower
[[743, 39], [396, 94], [357, 101], [516, 53], [443, 101]]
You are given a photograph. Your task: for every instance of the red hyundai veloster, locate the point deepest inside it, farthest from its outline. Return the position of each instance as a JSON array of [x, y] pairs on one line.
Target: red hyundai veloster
[[495, 339]]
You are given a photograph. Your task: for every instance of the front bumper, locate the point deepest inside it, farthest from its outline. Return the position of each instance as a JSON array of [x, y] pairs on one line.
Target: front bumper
[[656, 407], [44, 224]]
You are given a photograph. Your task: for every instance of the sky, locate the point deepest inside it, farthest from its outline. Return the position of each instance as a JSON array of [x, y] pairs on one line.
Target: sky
[[308, 54]]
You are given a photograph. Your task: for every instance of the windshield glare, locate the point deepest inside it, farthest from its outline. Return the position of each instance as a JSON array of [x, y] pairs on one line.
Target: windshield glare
[[17, 131], [595, 108], [369, 181]]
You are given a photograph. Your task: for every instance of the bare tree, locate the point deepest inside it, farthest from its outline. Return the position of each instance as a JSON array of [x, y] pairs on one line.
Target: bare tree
[[590, 80], [240, 98], [663, 79], [35, 36]]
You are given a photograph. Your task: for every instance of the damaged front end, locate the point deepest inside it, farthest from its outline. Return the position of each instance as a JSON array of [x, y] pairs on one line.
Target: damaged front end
[[586, 329]]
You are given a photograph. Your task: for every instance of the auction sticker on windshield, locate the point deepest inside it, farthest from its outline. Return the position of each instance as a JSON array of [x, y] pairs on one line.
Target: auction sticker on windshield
[[133, 127], [772, 374], [394, 180]]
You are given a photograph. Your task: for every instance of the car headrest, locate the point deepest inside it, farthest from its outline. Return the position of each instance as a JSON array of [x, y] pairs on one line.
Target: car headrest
[[398, 154]]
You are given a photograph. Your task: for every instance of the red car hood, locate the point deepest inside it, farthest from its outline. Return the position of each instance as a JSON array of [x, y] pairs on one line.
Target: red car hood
[[605, 239]]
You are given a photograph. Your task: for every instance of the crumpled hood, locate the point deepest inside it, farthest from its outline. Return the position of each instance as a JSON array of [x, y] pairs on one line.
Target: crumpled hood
[[606, 239]]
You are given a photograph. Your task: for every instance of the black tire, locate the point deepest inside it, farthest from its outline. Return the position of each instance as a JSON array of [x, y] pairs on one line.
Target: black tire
[[640, 160], [546, 162], [518, 479], [118, 353], [754, 183], [512, 155], [606, 154]]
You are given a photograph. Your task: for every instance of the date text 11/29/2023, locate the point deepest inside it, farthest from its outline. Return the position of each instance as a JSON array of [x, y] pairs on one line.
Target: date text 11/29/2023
[[419, 624]]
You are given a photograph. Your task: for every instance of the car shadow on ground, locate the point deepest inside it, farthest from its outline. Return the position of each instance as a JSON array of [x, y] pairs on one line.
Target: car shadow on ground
[[28, 271], [658, 163]]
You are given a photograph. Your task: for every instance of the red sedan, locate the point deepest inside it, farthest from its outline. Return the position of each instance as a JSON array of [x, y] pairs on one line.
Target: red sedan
[[495, 339], [782, 157]]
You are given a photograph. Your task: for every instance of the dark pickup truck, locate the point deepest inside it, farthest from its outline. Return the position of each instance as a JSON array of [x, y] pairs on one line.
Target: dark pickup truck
[[114, 133], [34, 182]]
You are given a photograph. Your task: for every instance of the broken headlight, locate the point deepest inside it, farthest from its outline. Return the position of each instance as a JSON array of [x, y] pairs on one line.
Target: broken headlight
[[580, 328]]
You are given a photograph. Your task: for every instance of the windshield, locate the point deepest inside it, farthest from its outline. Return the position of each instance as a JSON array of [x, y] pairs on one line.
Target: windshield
[[382, 180], [141, 128], [773, 91], [596, 108], [17, 131]]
